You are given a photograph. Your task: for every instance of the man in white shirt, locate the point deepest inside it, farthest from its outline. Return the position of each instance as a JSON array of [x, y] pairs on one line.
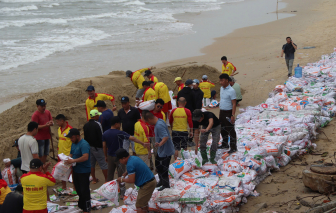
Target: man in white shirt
[[28, 146]]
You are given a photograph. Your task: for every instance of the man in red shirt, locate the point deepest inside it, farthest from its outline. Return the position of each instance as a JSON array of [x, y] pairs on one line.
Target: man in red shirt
[[44, 120]]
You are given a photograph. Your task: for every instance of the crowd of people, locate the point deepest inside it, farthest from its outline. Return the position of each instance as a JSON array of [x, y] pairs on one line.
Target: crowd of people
[[106, 138]]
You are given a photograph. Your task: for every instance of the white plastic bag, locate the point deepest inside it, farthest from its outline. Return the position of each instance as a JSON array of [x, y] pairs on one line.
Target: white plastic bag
[[61, 171], [110, 191], [168, 195], [176, 170], [147, 105], [8, 174]]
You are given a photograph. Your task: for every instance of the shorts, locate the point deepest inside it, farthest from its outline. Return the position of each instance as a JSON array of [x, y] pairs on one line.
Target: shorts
[[145, 159], [43, 147], [97, 155], [167, 106], [139, 93], [35, 211], [180, 140], [145, 194]]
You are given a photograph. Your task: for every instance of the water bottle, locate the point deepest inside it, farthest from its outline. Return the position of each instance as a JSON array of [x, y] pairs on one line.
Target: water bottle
[[229, 119], [298, 71]]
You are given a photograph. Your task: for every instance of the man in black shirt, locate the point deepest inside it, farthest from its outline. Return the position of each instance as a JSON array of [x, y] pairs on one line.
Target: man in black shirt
[[209, 123], [289, 50], [13, 202], [93, 134], [188, 94], [198, 94], [129, 116]]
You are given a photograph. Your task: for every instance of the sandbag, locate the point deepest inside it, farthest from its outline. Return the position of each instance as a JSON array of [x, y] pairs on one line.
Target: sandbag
[[8, 174], [147, 105], [110, 191], [176, 170]]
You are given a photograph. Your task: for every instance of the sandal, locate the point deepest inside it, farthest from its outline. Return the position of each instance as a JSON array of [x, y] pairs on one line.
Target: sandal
[[94, 182]]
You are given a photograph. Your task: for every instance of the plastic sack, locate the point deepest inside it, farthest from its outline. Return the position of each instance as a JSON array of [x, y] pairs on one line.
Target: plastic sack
[[130, 196], [168, 195], [197, 173], [110, 191], [147, 105], [209, 167], [232, 166], [152, 204], [176, 170], [61, 171], [169, 206], [283, 160], [8, 174], [270, 162], [229, 182], [123, 209]]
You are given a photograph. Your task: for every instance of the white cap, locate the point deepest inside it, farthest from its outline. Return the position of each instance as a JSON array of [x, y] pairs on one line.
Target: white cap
[[204, 77]]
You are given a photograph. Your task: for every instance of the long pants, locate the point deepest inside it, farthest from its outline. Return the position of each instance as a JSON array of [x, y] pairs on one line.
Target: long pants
[[162, 167], [216, 131], [82, 185], [228, 129], [113, 164], [289, 63]]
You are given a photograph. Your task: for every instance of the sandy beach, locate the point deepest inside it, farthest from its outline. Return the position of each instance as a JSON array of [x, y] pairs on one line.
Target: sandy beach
[[253, 50]]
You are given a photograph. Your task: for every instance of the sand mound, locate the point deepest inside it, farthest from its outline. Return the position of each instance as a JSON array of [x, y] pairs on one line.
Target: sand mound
[[70, 100]]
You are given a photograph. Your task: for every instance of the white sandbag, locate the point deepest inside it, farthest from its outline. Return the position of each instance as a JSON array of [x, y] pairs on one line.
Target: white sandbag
[[123, 209], [270, 162], [168, 195], [169, 207], [61, 171], [209, 167], [176, 170], [232, 182], [232, 166], [130, 196], [110, 191], [147, 105], [197, 173], [283, 160], [8, 174]]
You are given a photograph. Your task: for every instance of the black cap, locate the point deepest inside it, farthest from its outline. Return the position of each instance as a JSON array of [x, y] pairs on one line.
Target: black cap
[[41, 102], [90, 88], [197, 115], [35, 164], [100, 104], [147, 73], [128, 73], [124, 99], [19, 188], [121, 153], [72, 132], [189, 82], [16, 143]]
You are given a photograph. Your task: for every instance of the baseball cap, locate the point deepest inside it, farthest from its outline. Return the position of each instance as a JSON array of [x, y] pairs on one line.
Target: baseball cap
[[90, 88], [35, 164], [19, 188], [16, 143], [94, 112], [41, 102], [204, 77], [100, 104], [121, 153], [72, 132], [128, 73], [188, 82], [197, 115], [124, 99], [147, 73], [196, 81], [232, 79], [177, 79]]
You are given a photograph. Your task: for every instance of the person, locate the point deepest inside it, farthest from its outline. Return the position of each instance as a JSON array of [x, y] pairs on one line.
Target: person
[[206, 87], [289, 50], [139, 174], [106, 115], [179, 84], [14, 201], [28, 146], [227, 67], [137, 80], [157, 111], [162, 92], [112, 141], [141, 132], [188, 94], [129, 116], [35, 187], [210, 124], [4, 191], [64, 143], [42, 116], [180, 118], [237, 89], [149, 93], [199, 94], [93, 134], [93, 98], [17, 162], [80, 154], [227, 110], [165, 148], [213, 95], [150, 76]]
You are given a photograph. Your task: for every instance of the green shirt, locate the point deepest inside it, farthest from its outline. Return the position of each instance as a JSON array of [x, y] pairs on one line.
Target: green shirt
[[236, 87]]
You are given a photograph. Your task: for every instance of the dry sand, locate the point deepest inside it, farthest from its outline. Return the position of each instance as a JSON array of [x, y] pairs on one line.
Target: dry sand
[[254, 50]]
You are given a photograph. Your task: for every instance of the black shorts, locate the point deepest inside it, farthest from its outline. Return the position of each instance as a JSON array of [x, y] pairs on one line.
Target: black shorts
[[180, 140]]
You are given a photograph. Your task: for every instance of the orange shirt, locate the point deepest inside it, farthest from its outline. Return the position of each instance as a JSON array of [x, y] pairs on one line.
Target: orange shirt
[[180, 118], [206, 86], [149, 94]]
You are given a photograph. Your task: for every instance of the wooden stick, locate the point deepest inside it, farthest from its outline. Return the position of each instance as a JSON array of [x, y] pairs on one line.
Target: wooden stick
[[52, 144]]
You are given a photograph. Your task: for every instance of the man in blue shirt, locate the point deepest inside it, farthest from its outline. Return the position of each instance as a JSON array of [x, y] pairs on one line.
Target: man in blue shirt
[[106, 115], [138, 173], [80, 152], [227, 113], [165, 147]]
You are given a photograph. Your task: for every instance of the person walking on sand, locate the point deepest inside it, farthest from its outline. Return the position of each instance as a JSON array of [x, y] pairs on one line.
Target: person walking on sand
[[227, 108], [93, 98], [139, 174], [227, 67], [150, 76], [236, 87], [64, 143], [180, 119], [289, 50], [80, 154], [93, 134], [141, 132], [188, 94], [106, 115], [137, 80], [162, 92], [42, 116], [149, 93], [206, 87]]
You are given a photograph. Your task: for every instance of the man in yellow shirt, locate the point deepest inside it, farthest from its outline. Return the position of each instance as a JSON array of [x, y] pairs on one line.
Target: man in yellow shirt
[[35, 185], [64, 143], [141, 132], [206, 86], [227, 67], [137, 80], [4, 190], [150, 76], [180, 84], [149, 93], [93, 98], [162, 92]]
